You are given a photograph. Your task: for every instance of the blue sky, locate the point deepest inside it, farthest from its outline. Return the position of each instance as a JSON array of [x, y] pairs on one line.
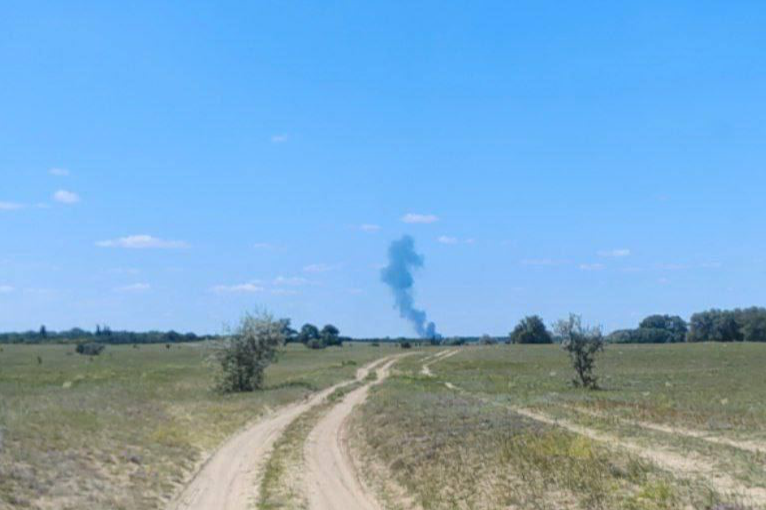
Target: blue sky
[[169, 165]]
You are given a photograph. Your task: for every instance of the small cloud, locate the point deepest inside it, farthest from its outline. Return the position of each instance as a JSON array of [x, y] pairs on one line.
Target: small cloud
[[591, 267], [663, 281], [618, 252], [447, 240], [264, 246], [249, 287], [542, 262], [369, 227], [294, 281], [470, 240], [355, 291], [711, 265], [6, 289], [420, 218], [59, 172], [279, 139], [138, 242], [319, 268], [66, 197], [632, 269], [136, 287], [10, 206]]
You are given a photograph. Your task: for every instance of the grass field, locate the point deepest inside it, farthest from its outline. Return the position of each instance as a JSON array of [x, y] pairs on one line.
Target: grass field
[[674, 426], [123, 430]]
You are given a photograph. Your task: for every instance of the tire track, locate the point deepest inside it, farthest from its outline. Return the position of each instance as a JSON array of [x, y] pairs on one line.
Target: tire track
[[332, 480], [228, 480]]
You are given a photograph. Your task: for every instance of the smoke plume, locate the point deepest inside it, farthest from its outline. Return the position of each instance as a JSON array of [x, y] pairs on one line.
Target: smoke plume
[[402, 259]]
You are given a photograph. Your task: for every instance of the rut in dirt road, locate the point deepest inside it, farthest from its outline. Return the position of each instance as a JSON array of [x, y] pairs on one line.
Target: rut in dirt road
[[228, 480], [332, 480]]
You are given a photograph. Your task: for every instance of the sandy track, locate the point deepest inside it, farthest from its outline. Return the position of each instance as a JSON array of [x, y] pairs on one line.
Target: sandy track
[[426, 369], [228, 480], [681, 465], [332, 481], [750, 446]]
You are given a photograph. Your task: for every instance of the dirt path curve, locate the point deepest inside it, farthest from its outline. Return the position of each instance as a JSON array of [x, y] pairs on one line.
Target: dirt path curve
[[228, 480], [426, 369], [332, 482], [683, 465]]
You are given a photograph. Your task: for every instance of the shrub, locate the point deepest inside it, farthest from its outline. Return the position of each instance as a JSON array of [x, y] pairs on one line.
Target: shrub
[[245, 354], [583, 344], [405, 345], [487, 340], [673, 326], [316, 343], [531, 330], [89, 349]]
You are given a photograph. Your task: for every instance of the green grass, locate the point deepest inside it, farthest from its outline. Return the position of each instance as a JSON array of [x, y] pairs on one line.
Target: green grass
[[123, 430], [469, 449]]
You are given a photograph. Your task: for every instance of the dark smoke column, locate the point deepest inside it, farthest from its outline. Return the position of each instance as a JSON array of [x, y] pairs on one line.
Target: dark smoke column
[[402, 259]]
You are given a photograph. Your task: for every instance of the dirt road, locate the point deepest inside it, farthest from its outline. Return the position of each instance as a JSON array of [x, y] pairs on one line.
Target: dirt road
[[332, 481], [228, 480]]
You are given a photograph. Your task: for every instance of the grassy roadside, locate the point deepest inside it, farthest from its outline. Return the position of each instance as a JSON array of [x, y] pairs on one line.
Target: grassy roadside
[[453, 449], [125, 429]]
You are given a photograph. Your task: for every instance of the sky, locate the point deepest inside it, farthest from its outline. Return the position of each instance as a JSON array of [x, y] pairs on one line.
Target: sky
[[170, 165]]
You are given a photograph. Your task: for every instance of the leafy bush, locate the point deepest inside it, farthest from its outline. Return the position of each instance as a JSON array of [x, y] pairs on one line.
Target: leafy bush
[[583, 344], [245, 354], [89, 349], [487, 340], [316, 343], [531, 330]]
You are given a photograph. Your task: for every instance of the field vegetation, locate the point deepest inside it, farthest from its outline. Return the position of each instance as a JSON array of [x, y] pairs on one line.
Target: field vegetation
[[672, 427], [123, 430]]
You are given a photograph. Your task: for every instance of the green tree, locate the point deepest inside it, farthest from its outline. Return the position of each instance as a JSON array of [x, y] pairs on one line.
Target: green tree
[[531, 330], [673, 325], [308, 332], [582, 343], [244, 355], [330, 335]]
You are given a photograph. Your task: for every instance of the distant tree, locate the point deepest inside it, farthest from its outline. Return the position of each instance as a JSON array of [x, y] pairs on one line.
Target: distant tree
[[714, 326], [43, 332], [487, 340], [290, 334], [673, 325], [582, 344], [330, 335], [531, 330], [308, 332], [753, 326], [316, 343], [245, 354]]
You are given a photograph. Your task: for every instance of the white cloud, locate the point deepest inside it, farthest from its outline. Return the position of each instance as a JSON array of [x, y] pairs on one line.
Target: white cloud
[[672, 267], [279, 139], [369, 227], [136, 287], [711, 265], [419, 218], [591, 267], [293, 281], [66, 197], [263, 246], [141, 242], [617, 252], [10, 206], [59, 172], [6, 289], [249, 287], [319, 268], [447, 240]]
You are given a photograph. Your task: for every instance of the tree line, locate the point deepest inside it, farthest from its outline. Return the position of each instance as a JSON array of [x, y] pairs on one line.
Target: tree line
[[102, 334], [738, 325]]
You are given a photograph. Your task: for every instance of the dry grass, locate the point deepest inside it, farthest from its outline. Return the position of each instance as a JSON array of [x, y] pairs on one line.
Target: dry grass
[[469, 449], [125, 429]]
